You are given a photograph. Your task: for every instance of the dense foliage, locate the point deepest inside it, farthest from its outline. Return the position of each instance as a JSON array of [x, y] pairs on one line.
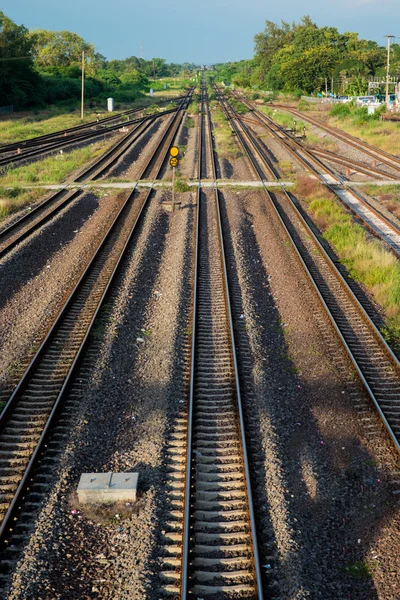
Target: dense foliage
[[304, 58], [40, 67]]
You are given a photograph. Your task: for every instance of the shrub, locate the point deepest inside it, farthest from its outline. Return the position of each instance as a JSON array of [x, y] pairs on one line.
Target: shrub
[[303, 105], [340, 110]]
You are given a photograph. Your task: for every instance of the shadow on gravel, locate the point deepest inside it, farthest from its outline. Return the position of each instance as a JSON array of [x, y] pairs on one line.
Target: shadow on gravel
[[325, 491], [175, 402], [225, 169], [31, 258]]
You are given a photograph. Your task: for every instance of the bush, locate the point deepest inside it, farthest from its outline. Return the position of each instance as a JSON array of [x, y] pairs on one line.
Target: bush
[[303, 105], [340, 110]]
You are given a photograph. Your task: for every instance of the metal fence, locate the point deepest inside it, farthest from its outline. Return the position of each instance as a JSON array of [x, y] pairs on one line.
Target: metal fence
[[318, 100], [7, 109]]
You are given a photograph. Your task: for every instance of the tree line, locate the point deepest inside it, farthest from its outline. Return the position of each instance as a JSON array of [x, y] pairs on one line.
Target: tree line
[[41, 67], [304, 58]]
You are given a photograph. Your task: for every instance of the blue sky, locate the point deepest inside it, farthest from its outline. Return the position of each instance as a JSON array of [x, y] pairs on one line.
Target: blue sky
[[203, 32]]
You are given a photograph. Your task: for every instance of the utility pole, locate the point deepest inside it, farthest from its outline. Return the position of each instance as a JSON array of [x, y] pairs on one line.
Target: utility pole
[[83, 85], [141, 49], [389, 37], [154, 70]]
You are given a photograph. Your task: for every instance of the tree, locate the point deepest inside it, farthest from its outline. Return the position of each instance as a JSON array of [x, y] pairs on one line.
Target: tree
[[135, 79], [268, 43], [19, 84], [61, 49]]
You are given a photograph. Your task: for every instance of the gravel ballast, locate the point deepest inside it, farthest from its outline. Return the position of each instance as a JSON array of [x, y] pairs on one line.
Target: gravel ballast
[[129, 404], [328, 479], [38, 274]]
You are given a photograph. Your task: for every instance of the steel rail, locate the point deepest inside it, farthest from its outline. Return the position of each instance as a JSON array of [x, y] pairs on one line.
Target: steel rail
[[30, 218], [109, 158], [294, 148], [13, 507], [82, 137], [257, 564], [385, 157], [38, 140], [387, 409], [253, 164], [350, 163], [186, 552], [53, 199]]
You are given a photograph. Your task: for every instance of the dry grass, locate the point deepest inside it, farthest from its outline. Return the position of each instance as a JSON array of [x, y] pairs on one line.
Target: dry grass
[[14, 199], [287, 168], [387, 195], [367, 259], [383, 134], [309, 186]]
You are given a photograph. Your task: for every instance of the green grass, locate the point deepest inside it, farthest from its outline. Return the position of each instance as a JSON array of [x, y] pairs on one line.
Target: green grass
[[193, 108], [226, 144], [14, 130], [383, 134], [15, 198], [55, 118], [284, 119], [360, 570], [367, 260], [181, 186], [387, 195], [189, 122], [53, 169]]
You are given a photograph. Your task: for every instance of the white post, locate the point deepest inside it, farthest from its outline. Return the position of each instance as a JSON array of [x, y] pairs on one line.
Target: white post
[[387, 71]]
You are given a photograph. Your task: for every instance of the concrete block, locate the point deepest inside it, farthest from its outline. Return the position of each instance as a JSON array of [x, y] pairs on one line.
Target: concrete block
[[107, 488]]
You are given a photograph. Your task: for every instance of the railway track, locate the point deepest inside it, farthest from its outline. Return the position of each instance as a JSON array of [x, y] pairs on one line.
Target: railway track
[[60, 134], [374, 361], [47, 210], [348, 163], [216, 545], [31, 410], [375, 153], [76, 138], [373, 219]]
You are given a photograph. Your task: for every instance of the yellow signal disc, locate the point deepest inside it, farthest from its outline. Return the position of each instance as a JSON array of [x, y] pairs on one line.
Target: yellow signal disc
[[173, 161], [174, 151]]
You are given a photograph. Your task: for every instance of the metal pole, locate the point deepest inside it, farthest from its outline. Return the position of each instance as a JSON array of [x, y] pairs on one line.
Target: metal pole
[[83, 85], [173, 189], [387, 70]]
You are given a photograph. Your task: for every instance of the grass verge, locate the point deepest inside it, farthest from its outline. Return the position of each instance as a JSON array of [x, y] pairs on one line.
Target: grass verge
[[14, 130], [54, 169], [226, 144], [283, 118], [367, 260], [14, 199]]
